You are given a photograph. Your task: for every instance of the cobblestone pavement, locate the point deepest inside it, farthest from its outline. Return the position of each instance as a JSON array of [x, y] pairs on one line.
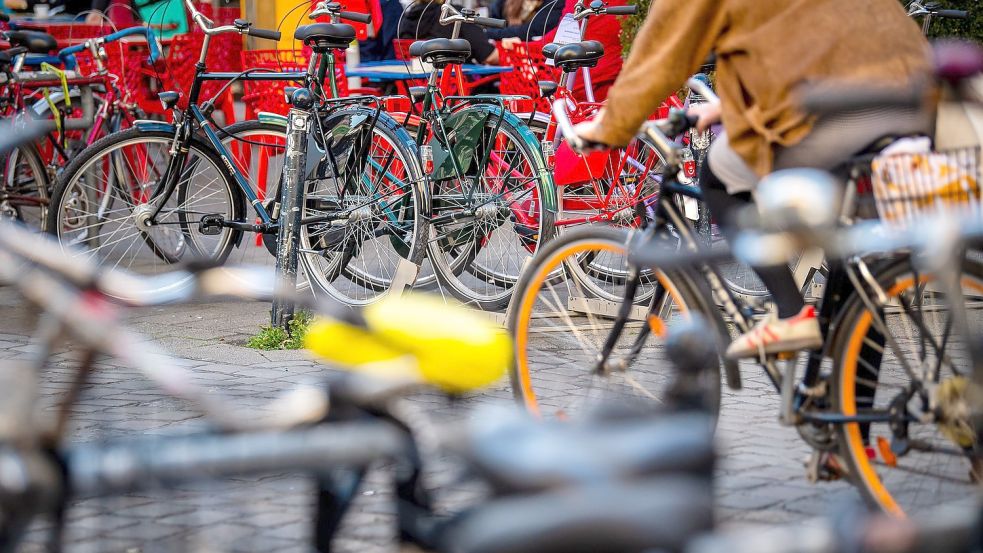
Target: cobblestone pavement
[[761, 479]]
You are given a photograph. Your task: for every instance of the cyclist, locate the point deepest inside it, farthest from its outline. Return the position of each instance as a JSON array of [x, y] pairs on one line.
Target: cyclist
[[765, 50]]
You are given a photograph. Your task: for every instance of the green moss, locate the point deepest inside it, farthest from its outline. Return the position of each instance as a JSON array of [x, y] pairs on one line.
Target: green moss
[[271, 338]]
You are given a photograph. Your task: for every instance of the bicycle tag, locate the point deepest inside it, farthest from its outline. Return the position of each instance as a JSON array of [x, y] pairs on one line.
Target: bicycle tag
[[426, 156]]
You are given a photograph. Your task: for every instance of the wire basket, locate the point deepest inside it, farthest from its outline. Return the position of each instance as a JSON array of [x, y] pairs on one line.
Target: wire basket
[[909, 187]]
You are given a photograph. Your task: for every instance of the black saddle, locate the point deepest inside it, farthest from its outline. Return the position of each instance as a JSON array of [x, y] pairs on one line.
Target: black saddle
[[441, 51], [516, 456], [661, 514], [322, 37], [571, 57], [36, 42]]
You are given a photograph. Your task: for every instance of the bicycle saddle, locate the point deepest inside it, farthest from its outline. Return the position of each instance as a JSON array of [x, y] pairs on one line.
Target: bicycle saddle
[[571, 57], [441, 51], [322, 37], [516, 455], [550, 50], [36, 42], [656, 514]]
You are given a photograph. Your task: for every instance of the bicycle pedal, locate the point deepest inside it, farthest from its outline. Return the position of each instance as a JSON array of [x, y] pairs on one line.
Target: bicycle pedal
[[211, 225]]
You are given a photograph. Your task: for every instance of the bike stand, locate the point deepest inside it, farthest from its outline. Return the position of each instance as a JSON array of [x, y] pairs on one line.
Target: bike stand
[[605, 308]]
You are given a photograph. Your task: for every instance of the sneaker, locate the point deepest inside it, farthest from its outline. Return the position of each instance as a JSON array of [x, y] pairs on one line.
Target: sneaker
[[774, 335]]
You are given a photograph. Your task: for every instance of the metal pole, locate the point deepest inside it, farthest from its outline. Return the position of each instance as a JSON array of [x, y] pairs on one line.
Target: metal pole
[[291, 203]]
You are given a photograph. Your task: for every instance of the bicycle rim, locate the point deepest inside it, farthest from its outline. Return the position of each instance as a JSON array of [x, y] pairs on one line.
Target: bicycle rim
[[479, 256], [102, 199], [258, 150], [560, 329], [371, 242], [24, 196], [934, 468]]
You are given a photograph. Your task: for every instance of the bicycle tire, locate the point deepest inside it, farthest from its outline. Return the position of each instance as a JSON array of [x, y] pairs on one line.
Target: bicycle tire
[[858, 347], [554, 350], [372, 253], [71, 188], [459, 253], [22, 188], [247, 140]]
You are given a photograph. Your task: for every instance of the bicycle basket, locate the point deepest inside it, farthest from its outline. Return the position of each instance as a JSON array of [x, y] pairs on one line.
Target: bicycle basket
[[909, 187]]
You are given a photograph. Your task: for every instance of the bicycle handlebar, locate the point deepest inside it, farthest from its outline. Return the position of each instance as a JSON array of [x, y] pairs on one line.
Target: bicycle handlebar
[[449, 14], [264, 33], [621, 10], [356, 17], [146, 32], [490, 22], [952, 14]]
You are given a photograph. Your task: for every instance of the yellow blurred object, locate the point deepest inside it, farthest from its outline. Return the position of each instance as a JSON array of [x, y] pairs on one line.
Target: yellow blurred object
[[453, 348]]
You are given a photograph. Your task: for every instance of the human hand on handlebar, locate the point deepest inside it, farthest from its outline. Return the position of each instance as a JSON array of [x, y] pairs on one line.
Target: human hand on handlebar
[[589, 133], [708, 114]]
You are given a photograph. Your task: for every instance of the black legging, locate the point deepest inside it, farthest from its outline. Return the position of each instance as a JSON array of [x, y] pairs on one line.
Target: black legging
[[777, 278]]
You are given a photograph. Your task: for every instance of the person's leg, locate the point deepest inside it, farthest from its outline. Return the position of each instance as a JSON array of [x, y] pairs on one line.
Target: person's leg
[[778, 279], [727, 183]]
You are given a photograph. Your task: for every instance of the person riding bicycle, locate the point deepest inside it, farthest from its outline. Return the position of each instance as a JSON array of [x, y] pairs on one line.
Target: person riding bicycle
[[766, 50]]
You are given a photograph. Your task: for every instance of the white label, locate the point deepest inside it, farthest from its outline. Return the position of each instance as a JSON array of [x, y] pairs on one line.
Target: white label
[[568, 31]]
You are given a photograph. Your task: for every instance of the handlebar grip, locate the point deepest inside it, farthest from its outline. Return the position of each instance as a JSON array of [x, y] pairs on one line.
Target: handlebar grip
[[953, 14], [490, 22], [621, 10], [4, 18], [356, 17], [264, 33]]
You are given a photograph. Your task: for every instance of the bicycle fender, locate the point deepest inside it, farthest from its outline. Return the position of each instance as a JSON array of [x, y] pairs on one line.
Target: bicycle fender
[[41, 107], [151, 125], [272, 118]]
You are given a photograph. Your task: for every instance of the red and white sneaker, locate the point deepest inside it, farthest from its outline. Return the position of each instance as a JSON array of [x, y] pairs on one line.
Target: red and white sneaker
[[774, 335]]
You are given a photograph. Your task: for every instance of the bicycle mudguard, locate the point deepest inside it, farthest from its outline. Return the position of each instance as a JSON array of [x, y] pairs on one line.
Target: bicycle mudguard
[[272, 118], [149, 125]]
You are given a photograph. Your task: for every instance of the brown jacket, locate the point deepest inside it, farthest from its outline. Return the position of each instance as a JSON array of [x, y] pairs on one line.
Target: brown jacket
[[765, 50]]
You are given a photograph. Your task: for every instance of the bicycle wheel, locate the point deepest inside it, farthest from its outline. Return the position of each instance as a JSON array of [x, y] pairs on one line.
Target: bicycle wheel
[[922, 458], [103, 201], [24, 193], [488, 219], [360, 239], [560, 330], [258, 151]]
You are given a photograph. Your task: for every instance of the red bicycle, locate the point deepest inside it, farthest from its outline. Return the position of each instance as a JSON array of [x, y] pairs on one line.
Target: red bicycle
[[82, 100]]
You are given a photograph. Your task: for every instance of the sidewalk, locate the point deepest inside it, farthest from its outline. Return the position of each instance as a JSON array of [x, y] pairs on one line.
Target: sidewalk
[[761, 475]]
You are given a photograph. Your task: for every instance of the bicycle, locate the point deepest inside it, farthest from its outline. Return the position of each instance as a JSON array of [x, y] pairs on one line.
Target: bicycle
[[334, 433], [81, 108], [186, 198], [866, 302], [492, 201]]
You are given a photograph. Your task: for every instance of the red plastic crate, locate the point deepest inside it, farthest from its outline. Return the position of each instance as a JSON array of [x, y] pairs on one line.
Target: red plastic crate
[[268, 96], [528, 68]]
